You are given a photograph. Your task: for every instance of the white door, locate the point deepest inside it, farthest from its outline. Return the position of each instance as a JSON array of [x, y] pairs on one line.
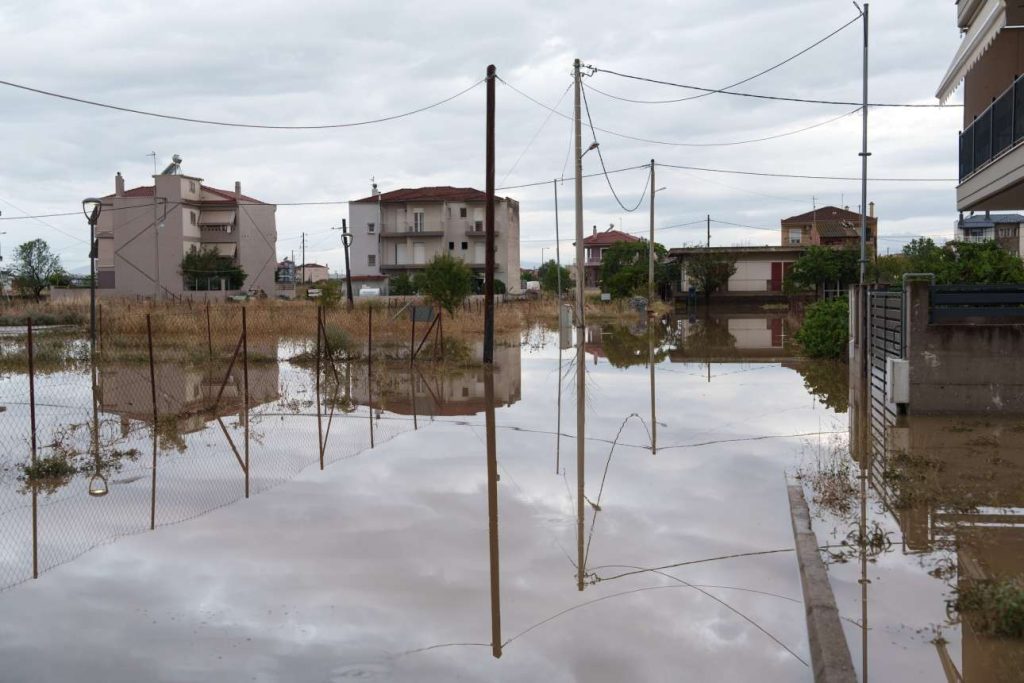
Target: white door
[[400, 255], [419, 253], [479, 252], [478, 218], [417, 220]]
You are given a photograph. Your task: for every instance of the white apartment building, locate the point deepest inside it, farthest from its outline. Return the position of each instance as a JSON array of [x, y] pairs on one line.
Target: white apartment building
[[403, 230], [144, 232]]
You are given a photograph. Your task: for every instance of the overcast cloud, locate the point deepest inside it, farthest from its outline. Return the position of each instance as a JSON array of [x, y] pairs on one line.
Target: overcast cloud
[[324, 62]]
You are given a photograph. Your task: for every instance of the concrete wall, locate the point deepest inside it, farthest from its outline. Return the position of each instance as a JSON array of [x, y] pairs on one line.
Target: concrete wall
[[961, 368], [993, 73]]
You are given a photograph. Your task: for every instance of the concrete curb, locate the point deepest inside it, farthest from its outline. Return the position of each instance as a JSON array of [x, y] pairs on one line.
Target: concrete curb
[[830, 654]]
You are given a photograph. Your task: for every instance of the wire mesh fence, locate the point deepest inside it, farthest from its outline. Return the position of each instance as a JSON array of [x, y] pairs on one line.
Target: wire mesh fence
[[182, 410]]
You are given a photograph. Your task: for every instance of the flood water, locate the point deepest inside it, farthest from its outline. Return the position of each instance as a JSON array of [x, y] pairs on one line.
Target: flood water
[[419, 554]]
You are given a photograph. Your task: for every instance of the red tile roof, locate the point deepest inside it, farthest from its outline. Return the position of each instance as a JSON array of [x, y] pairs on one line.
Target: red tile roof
[[825, 213], [608, 237], [429, 194]]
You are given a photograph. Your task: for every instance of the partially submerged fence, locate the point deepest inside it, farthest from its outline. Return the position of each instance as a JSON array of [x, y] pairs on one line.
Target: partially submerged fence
[[181, 411]]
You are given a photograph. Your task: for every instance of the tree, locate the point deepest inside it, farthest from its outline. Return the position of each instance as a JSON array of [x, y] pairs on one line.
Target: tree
[[402, 285], [821, 266], [447, 281], [826, 329], [36, 267], [978, 263], [624, 269], [203, 269], [709, 271], [923, 256], [549, 274]]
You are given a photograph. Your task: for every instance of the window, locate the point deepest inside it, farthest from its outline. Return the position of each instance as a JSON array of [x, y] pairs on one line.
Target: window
[[795, 236], [465, 246], [191, 186], [192, 217], [371, 227], [449, 212], [465, 392], [462, 212], [417, 220], [478, 226], [371, 260], [451, 246]]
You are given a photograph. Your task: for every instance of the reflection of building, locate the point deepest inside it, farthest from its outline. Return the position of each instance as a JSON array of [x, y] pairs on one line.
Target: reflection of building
[[403, 230], [143, 234], [185, 393], [426, 391], [735, 337], [953, 485]]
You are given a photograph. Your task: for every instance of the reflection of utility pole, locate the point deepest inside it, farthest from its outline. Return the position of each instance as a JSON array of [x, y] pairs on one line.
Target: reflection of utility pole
[[650, 362], [492, 510]]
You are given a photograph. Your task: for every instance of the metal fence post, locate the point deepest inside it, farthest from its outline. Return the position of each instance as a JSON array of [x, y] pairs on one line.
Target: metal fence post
[[152, 389], [32, 419], [319, 418], [369, 369], [245, 394]]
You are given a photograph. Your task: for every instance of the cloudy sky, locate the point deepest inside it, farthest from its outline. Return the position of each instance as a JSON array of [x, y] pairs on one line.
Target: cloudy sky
[[311, 63]]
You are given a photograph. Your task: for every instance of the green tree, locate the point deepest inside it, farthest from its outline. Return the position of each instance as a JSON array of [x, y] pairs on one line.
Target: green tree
[[331, 293], [549, 274], [889, 269], [822, 266], [36, 267], [978, 263], [923, 256], [203, 268], [826, 329], [402, 285], [624, 269], [709, 271], [447, 281]]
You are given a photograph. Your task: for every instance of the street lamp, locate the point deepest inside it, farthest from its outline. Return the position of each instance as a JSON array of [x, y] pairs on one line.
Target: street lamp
[[92, 207]]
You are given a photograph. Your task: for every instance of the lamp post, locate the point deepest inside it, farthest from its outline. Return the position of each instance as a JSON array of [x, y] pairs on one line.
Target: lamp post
[[92, 207]]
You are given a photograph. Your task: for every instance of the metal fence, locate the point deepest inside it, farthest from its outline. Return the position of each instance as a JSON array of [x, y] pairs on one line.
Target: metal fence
[[182, 411]]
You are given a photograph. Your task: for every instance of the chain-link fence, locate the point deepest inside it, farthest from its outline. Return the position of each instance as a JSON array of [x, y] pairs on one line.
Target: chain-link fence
[[181, 410]]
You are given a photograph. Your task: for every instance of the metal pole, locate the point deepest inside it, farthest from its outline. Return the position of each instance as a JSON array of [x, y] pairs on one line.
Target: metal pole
[[369, 369], [558, 257], [650, 252], [650, 362], [152, 390], [580, 332], [864, 159], [92, 283], [489, 225], [245, 394], [319, 418], [32, 421]]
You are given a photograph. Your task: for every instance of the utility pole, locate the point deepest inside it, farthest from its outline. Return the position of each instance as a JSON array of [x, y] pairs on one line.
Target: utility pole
[[580, 333], [864, 154], [346, 240], [489, 225], [558, 258], [709, 231], [302, 277], [650, 251]]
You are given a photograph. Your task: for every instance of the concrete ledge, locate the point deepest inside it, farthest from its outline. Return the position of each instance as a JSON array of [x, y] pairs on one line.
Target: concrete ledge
[[830, 655]]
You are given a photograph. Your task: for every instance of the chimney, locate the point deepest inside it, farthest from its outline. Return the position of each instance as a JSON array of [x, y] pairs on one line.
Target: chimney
[[374, 191], [119, 185], [595, 230], [871, 209], [238, 189]]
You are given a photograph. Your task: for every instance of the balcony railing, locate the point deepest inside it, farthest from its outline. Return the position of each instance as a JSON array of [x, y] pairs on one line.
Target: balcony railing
[[994, 131], [976, 239]]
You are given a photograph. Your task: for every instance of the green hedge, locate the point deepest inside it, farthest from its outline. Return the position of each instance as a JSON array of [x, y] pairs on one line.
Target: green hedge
[[826, 329]]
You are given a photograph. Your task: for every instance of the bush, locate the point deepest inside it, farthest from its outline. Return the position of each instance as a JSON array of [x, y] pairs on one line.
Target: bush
[[826, 329], [401, 285], [996, 607]]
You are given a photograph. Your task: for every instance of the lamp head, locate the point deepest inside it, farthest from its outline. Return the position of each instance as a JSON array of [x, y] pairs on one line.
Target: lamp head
[[97, 486], [91, 207]]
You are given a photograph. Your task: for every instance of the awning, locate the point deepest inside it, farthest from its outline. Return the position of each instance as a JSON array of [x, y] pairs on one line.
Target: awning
[[216, 218], [991, 19], [223, 248]]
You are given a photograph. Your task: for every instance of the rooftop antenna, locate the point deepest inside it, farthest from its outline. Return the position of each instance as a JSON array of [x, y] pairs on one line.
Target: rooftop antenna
[[153, 154]]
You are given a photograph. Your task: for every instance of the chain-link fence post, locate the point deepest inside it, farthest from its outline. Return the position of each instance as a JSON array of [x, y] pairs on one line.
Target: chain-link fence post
[[32, 418], [152, 389], [245, 395]]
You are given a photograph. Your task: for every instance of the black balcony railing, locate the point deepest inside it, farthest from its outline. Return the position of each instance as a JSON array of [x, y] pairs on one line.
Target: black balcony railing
[[994, 131]]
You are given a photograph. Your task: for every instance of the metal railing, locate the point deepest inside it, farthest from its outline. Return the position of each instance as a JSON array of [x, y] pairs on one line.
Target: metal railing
[[994, 131]]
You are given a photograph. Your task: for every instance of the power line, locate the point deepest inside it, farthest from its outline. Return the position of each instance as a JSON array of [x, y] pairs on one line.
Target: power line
[[536, 135], [235, 124], [600, 157], [745, 80], [585, 175], [805, 177], [669, 143], [778, 98]]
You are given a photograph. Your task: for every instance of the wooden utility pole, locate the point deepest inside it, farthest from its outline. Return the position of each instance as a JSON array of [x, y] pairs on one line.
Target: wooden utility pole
[[709, 231], [650, 252], [489, 226], [302, 277], [580, 334]]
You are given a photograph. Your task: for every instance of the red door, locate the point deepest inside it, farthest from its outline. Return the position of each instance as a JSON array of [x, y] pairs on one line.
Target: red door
[[776, 281]]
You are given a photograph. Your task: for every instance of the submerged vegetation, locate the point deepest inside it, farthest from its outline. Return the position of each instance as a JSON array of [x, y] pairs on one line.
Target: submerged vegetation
[[994, 607]]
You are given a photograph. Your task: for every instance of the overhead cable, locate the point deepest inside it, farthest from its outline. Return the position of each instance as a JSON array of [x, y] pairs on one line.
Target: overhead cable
[[230, 124], [778, 98], [745, 80], [597, 147], [806, 177]]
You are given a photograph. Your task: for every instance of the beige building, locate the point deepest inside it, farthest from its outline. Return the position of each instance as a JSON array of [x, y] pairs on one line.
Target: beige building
[[312, 272], [144, 232], [988, 63], [403, 230], [759, 270]]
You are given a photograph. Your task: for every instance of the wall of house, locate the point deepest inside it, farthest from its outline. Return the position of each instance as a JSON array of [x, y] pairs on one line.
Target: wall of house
[[364, 242], [993, 73], [257, 246], [961, 368], [751, 276]]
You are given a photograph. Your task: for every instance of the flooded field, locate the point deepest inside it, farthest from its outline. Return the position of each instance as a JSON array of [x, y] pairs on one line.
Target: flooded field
[[288, 518]]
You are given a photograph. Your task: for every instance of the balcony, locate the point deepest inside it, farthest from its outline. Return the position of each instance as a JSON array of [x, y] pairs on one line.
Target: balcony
[[976, 239], [992, 157], [429, 231]]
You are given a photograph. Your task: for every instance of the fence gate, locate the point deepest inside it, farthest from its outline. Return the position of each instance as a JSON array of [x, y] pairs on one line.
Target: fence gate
[[885, 340]]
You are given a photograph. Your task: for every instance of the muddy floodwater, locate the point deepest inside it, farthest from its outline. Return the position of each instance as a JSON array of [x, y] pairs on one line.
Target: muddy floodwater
[[275, 523]]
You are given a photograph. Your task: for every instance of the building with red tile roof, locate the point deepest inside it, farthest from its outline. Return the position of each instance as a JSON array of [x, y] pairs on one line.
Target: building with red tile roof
[[594, 246]]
